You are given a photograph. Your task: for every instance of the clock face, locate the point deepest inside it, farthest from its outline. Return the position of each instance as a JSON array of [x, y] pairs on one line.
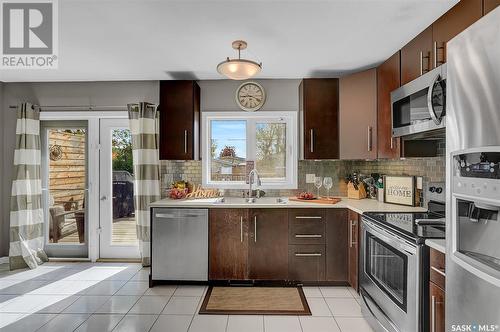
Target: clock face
[[250, 96]]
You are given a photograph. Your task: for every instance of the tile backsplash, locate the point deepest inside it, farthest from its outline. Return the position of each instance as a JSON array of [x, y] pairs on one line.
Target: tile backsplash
[[431, 169]]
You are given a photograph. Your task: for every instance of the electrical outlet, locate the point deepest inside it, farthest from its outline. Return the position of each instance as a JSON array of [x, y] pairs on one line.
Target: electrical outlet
[[310, 178]]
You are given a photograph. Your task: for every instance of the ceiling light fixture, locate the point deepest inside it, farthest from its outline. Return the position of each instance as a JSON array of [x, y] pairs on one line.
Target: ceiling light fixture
[[239, 69]]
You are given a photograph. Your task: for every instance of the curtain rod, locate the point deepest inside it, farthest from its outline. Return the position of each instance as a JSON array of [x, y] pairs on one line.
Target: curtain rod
[[82, 107]]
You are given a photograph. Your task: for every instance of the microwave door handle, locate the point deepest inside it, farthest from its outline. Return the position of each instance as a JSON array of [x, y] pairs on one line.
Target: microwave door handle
[[430, 106]]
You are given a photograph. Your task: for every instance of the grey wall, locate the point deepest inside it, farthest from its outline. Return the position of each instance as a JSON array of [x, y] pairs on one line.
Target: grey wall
[[219, 95], [53, 94]]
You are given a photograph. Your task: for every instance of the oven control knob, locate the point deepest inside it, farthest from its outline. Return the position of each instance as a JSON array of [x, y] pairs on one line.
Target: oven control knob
[[492, 164], [492, 170]]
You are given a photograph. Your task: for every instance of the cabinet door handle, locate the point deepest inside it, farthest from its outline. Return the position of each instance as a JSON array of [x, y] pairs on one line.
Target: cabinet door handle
[[255, 228], [308, 236], [392, 142], [308, 217], [435, 269], [351, 242], [435, 49], [185, 141], [369, 138], [311, 148], [422, 57], [433, 313], [241, 229], [315, 254]]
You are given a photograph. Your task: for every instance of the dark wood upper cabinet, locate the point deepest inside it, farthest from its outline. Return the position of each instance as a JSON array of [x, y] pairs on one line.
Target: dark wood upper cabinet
[[415, 56], [353, 243], [454, 21], [489, 5], [268, 244], [228, 245], [319, 106], [388, 79], [358, 115], [179, 120], [337, 228]]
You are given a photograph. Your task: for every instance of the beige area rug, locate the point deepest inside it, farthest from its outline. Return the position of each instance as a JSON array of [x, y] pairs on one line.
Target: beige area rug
[[255, 301]]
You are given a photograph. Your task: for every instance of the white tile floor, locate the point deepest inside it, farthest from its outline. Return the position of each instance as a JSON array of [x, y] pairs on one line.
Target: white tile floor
[[116, 297]]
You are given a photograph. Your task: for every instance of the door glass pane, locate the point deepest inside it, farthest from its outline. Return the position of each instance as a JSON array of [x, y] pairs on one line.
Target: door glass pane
[[124, 226], [271, 150], [67, 185], [228, 150], [387, 267]]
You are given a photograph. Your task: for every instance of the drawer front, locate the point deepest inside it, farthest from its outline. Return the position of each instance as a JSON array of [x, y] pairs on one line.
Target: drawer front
[[306, 262], [306, 226], [437, 272]]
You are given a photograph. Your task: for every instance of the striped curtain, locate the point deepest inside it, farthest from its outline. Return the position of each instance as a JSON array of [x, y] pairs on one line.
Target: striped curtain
[[144, 127], [26, 212]]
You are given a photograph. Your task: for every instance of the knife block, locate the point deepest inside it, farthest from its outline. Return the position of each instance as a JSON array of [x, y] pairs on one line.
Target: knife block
[[360, 193]]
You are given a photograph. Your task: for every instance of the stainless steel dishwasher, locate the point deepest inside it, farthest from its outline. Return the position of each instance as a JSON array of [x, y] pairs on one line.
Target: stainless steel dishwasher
[[179, 248]]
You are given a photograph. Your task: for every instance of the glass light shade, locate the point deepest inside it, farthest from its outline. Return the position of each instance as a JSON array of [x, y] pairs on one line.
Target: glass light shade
[[238, 69]]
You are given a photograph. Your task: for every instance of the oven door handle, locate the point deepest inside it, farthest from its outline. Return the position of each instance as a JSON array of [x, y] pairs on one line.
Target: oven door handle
[[390, 238]]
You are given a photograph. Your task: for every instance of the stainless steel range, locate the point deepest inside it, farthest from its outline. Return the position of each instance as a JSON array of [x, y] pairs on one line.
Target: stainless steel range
[[394, 267]]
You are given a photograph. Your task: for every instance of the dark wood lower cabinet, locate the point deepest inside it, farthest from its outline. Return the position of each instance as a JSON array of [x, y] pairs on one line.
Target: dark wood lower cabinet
[[268, 244], [306, 262], [437, 308], [336, 245], [353, 243], [228, 245]]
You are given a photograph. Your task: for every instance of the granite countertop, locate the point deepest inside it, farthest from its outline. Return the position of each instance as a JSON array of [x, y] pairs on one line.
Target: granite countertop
[[358, 206], [438, 244]]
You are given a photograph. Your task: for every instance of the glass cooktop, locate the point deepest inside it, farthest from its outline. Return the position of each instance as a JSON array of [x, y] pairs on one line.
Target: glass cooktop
[[415, 225]]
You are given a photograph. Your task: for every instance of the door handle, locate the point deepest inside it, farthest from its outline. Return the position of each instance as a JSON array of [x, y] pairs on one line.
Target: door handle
[[350, 233], [353, 243], [435, 269], [308, 236], [433, 313], [435, 49], [241, 229], [308, 217], [369, 138], [315, 254], [185, 141], [312, 140], [255, 228], [422, 57]]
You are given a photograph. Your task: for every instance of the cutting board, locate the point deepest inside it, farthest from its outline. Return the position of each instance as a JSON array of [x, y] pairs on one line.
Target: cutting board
[[320, 200]]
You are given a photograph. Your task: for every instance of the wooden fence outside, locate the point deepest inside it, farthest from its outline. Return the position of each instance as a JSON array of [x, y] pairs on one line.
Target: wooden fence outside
[[67, 180]]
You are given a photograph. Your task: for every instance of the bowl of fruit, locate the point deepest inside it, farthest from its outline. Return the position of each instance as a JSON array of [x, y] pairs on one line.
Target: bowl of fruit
[[178, 190], [307, 196]]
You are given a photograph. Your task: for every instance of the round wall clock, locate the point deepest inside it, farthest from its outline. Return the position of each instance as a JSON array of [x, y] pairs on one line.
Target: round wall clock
[[250, 96]]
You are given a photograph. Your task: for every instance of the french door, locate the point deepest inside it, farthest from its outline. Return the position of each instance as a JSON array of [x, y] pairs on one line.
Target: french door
[[117, 226], [65, 187]]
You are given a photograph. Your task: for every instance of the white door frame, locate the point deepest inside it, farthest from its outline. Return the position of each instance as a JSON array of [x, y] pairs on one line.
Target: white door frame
[[106, 248], [93, 118]]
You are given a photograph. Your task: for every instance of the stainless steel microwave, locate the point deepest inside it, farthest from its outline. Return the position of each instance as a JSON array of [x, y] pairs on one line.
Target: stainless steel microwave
[[419, 107]]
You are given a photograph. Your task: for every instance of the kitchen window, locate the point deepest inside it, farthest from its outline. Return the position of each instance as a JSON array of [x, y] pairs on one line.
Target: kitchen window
[[234, 143]]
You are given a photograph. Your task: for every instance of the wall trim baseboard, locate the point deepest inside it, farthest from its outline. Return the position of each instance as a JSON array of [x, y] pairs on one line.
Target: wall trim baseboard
[[4, 260]]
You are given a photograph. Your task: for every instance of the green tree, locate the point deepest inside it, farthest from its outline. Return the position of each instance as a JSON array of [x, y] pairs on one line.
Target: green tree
[[121, 143]]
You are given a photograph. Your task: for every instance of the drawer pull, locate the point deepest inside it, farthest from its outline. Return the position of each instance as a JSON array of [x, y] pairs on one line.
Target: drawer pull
[[315, 254], [308, 235], [308, 217], [435, 269]]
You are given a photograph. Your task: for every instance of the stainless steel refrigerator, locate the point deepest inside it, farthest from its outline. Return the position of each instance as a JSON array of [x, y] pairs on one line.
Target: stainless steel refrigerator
[[473, 178]]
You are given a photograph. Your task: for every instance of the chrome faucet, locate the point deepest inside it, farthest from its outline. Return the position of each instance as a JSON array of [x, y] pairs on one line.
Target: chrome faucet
[[253, 177]]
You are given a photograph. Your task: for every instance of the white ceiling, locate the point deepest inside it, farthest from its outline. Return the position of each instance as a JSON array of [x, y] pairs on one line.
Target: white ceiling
[[145, 39]]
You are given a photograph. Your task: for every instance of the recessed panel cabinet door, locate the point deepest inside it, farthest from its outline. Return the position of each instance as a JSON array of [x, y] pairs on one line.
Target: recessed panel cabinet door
[[437, 308], [337, 245], [319, 107], [268, 244], [388, 79], [228, 244], [415, 56], [358, 115]]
